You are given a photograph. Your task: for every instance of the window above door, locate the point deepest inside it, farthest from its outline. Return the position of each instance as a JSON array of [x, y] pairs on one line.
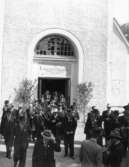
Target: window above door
[[54, 45]]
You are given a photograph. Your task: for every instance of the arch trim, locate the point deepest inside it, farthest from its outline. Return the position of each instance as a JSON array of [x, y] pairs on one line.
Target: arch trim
[[65, 33]]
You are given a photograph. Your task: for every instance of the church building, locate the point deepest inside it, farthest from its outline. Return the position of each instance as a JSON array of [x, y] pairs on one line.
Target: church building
[[60, 44]]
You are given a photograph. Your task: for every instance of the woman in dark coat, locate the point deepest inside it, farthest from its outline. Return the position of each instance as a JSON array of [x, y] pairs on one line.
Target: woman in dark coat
[[21, 134], [43, 153]]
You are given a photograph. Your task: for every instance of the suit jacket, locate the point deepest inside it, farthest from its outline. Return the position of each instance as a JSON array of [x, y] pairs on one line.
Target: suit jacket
[[91, 154], [69, 125]]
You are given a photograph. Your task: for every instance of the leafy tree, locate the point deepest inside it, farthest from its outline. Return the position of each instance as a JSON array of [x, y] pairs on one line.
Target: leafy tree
[[25, 91], [84, 95]]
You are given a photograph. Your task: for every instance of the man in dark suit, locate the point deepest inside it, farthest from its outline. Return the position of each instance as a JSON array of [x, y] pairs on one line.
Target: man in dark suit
[[7, 127], [69, 130], [106, 122]]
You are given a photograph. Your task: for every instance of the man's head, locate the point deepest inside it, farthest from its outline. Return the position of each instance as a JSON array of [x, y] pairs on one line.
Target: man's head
[[93, 107], [108, 107], [115, 114], [95, 133], [6, 102], [126, 110], [115, 135]]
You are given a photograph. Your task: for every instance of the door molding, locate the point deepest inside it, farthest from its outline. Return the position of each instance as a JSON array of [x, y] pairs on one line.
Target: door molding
[[72, 37]]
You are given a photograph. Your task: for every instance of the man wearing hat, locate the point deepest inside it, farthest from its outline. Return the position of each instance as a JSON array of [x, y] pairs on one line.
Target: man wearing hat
[[115, 149], [69, 131], [106, 121]]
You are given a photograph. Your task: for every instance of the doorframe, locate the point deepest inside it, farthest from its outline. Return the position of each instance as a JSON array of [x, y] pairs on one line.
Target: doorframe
[[72, 37], [56, 78]]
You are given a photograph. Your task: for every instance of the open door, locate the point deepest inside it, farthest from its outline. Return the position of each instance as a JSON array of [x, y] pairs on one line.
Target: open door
[[61, 85]]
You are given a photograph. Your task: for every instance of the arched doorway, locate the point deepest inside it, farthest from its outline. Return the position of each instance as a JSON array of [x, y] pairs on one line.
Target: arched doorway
[[57, 62]]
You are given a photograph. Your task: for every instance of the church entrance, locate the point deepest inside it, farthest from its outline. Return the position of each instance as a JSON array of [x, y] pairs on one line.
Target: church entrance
[[61, 85], [55, 66]]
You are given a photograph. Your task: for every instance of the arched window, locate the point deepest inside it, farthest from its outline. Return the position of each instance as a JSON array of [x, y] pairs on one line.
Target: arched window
[[54, 45]]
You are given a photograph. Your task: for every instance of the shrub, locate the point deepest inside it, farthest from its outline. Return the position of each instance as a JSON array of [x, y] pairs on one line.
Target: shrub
[[24, 92], [84, 95]]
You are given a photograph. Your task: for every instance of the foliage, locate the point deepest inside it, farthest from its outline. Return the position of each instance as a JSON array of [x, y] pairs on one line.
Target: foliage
[[125, 29], [24, 92], [84, 95]]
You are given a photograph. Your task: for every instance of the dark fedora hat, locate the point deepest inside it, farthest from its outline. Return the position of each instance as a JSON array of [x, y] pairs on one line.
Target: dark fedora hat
[[115, 134]]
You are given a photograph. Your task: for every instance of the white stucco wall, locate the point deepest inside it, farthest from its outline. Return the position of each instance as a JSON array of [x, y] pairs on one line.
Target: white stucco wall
[[85, 19], [1, 45], [118, 69]]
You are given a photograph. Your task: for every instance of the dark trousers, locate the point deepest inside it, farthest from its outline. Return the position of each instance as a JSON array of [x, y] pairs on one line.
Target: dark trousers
[[58, 136], [8, 151], [69, 144], [8, 143], [19, 157], [125, 144]]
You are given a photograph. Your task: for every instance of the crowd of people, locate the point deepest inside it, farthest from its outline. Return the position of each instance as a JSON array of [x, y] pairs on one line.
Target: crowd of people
[[50, 120], [45, 122], [111, 131]]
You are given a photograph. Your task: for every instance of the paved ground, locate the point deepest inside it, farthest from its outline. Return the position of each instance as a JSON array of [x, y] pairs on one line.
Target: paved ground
[[61, 161]]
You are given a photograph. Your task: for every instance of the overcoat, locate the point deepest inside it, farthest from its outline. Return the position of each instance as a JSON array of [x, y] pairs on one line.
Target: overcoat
[[91, 154], [7, 126], [43, 154], [116, 155], [21, 140]]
